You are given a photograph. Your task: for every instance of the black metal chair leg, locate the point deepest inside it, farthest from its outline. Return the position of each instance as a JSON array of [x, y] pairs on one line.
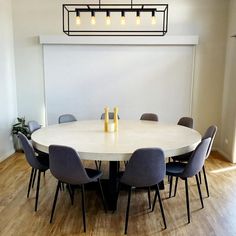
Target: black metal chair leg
[[199, 190], [96, 164], [127, 210], [55, 200], [154, 201], [30, 182], [149, 198], [117, 194], [102, 195], [206, 182], [83, 206], [161, 206], [71, 193], [100, 165], [171, 180], [44, 173], [37, 191], [187, 199], [34, 176], [176, 185], [200, 177]]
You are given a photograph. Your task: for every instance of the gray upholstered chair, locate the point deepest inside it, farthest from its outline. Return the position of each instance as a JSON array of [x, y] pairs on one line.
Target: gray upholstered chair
[[66, 167], [186, 121], [190, 169], [33, 126], [149, 116], [38, 163], [65, 118], [111, 116], [210, 133], [146, 168]]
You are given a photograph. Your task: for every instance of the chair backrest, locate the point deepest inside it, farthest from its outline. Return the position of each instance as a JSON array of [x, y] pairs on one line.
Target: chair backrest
[[210, 133], [197, 159], [111, 116], [146, 167], [29, 152], [149, 116], [66, 118], [33, 126], [186, 121], [66, 166]]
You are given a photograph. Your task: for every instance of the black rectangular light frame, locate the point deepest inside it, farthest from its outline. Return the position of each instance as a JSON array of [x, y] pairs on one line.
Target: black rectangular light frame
[[72, 9]]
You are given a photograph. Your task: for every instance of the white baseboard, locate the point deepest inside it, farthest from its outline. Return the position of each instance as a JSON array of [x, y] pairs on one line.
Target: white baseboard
[[225, 155], [6, 155]]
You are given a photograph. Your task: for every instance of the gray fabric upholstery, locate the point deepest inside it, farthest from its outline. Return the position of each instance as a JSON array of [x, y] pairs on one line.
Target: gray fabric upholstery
[[66, 118], [66, 166], [186, 121], [149, 116], [33, 126], [34, 161], [146, 167], [194, 165], [111, 116], [175, 168], [210, 133], [197, 159]]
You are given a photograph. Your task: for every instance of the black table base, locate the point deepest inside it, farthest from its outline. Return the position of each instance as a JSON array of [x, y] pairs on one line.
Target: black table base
[[110, 186]]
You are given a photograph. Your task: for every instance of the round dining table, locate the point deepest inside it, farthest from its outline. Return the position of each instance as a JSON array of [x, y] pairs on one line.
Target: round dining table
[[92, 143]]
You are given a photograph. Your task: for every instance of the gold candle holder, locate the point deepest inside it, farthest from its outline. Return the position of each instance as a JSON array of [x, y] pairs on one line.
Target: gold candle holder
[[106, 120], [116, 118]]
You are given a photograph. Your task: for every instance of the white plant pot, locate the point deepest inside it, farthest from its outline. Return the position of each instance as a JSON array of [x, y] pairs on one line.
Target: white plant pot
[[16, 142]]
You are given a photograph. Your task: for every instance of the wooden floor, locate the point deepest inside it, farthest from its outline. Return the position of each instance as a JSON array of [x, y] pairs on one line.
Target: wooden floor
[[17, 216]]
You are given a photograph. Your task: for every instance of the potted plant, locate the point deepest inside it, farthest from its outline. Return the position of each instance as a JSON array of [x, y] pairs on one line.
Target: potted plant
[[20, 126]]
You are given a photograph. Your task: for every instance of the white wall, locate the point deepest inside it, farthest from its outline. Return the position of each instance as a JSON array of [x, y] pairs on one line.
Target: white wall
[[7, 80], [128, 76], [206, 18], [228, 138]]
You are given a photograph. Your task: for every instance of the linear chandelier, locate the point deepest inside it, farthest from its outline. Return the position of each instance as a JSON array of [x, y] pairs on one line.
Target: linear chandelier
[[115, 19]]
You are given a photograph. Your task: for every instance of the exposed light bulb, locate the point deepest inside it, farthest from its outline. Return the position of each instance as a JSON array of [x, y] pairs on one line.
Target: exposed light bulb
[[77, 19], [154, 19], [93, 19], [108, 18], [122, 20], [138, 19]]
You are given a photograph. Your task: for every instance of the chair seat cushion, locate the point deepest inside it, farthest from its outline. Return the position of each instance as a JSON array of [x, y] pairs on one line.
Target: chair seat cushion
[[175, 168], [93, 174], [182, 158], [44, 161]]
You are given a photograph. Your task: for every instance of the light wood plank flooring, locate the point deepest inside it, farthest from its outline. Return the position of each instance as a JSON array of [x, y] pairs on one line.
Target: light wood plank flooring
[[17, 216]]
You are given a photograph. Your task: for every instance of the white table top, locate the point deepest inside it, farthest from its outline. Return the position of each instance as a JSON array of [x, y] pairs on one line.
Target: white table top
[[92, 143]]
